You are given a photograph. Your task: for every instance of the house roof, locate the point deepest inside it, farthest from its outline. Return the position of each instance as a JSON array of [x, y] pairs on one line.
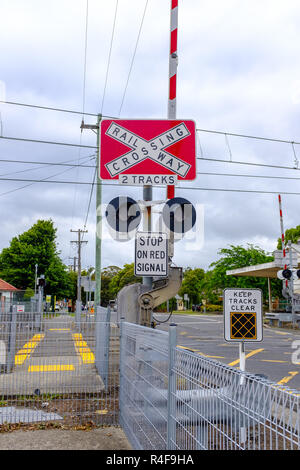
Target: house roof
[[5, 286]]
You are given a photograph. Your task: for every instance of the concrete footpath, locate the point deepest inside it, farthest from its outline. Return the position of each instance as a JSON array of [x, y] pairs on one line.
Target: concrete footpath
[[109, 438]]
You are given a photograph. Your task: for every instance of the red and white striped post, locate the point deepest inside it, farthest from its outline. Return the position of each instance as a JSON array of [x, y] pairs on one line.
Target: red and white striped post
[[173, 62], [282, 235]]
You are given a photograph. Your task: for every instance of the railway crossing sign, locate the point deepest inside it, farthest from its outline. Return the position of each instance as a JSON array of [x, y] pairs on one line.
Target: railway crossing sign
[[147, 147], [242, 315]]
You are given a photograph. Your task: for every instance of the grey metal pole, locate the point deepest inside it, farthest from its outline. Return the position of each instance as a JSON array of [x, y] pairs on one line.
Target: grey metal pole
[[97, 299], [147, 227], [12, 339], [291, 284], [35, 280]]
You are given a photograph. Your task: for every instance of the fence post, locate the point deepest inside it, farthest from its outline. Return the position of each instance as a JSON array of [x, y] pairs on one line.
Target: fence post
[[121, 372], [78, 314], [171, 400], [11, 347], [102, 343]]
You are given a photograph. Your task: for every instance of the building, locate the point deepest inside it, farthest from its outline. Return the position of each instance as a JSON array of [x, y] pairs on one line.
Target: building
[[6, 293]]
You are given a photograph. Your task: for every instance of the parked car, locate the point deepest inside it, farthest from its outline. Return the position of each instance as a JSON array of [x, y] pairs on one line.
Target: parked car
[[196, 308]]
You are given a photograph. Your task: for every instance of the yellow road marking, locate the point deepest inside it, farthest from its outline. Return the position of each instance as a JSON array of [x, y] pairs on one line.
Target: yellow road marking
[[28, 349], [288, 378], [256, 351], [51, 368], [82, 349], [272, 360]]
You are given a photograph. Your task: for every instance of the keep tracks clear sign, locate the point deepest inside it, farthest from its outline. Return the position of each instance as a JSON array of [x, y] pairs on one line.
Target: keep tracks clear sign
[[243, 315], [151, 254]]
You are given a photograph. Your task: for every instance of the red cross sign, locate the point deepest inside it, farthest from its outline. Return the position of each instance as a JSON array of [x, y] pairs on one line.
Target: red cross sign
[[147, 147]]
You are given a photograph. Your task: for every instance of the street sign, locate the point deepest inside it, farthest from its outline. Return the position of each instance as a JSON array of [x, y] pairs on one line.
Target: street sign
[[152, 180], [151, 254], [20, 308], [243, 315], [48, 299], [147, 147]]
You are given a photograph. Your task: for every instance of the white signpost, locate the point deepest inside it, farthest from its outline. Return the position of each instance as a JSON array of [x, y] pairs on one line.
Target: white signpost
[[151, 254], [243, 323]]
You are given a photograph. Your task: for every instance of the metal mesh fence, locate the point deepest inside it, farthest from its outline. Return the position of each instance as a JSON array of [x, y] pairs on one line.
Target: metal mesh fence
[[171, 398], [144, 385], [49, 371]]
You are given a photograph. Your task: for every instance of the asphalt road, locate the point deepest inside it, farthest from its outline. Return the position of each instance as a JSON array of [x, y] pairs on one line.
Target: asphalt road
[[272, 357]]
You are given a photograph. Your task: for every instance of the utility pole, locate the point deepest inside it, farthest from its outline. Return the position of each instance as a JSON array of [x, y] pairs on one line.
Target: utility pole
[[74, 258], [79, 242], [96, 128], [35, 280]]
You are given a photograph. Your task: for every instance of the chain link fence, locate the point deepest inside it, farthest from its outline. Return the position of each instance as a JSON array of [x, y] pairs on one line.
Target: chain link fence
[[53, 367], [173, 399]]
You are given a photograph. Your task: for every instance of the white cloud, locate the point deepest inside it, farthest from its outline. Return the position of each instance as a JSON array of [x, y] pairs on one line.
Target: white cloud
[[238, 71]]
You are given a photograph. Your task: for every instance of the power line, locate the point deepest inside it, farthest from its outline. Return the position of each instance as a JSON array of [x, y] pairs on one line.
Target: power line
[[193, 188], [65, 163], [85, 56], [211, 131], [47, 142], [31, 182], [42, 164], [133, 57], [109, 54], [247, 163], [250, 176], [232, 134], [48, 108], [90, 199]]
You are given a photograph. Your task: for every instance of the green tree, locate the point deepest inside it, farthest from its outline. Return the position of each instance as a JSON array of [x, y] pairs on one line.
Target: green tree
[[124, 277], [236, 257], [292, 234], [192, 284], [107, 274], [35, 246]]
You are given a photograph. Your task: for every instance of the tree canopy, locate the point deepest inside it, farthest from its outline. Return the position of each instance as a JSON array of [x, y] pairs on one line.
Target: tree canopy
[[235, 257], [292, 234], [35, 246]]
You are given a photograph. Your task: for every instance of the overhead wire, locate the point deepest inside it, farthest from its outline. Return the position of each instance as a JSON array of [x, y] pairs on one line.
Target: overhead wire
[[43, 164], [109, 55], [211, 131], [83, 103], [32, 181], [193, 188], [133, 57], [50, 142]]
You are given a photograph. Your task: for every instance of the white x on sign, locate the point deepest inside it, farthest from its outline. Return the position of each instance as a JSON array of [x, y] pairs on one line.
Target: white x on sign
[[141, 149]]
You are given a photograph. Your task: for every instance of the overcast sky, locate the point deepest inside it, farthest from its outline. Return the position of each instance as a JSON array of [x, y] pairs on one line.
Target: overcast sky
[[238, 72]]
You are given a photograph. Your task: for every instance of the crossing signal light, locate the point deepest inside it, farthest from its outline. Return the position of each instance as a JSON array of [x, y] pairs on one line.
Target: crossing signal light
[[287, 274], [123, 215], [41, 281]]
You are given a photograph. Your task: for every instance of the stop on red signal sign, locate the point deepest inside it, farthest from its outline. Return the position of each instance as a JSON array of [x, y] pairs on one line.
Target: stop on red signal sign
[[147, 147]]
